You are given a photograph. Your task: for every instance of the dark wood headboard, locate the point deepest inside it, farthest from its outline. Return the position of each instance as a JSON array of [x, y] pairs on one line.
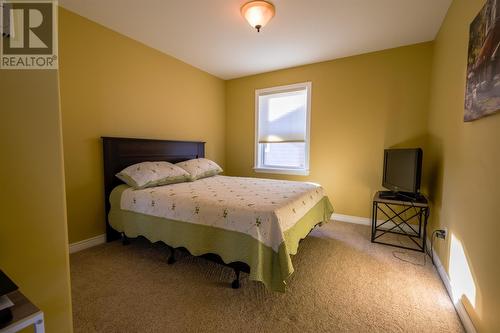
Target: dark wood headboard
[[120, 153]]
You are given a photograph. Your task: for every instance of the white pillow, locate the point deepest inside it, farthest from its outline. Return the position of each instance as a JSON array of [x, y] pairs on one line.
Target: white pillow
[[149, 174], [200, 168]]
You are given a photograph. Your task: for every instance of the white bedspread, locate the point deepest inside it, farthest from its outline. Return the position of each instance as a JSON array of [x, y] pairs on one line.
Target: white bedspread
[[261, 208]]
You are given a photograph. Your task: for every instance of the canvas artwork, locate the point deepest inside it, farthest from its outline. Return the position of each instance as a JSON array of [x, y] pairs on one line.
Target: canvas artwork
[[482, 95]]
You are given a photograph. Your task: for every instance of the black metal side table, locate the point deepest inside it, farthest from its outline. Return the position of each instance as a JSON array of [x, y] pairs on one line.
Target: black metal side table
[[402, 217]]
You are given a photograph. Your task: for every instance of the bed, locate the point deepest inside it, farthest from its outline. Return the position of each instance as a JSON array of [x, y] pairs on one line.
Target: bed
[[249, 224]]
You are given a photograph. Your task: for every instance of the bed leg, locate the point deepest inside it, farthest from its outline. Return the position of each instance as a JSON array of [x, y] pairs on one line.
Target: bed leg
[[125, 240], [171, 258], [236, 283]]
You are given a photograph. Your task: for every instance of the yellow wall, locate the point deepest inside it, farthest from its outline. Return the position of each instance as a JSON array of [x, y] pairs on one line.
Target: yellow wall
[[466, 157], [33, 234], [360, 105], [114, 86]]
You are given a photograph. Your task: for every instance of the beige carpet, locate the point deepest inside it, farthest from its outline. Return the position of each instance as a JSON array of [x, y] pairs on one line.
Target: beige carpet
[[342, 283]]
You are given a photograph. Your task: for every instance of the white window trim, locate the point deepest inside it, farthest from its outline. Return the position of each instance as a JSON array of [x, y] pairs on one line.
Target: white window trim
[[283, 170]]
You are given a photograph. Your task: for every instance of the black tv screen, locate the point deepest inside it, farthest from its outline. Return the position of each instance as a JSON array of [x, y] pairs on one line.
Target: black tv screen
[[402, 170]]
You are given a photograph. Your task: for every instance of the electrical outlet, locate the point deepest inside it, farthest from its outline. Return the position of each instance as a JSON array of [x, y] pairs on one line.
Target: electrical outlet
[[441, 233]]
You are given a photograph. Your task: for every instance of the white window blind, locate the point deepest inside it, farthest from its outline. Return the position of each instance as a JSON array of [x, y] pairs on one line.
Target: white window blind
[[282, 129], [282, 117]]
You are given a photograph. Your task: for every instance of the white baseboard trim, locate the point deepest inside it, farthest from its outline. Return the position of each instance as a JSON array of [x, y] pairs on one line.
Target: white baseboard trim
[[459, 307], [86, 243], [365, 221], [351, 219]]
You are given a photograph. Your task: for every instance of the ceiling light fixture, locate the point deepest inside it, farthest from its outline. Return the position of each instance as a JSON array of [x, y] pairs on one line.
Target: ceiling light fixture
[[258, 13]]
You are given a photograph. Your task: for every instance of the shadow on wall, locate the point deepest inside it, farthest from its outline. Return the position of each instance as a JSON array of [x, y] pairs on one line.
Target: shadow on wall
[[452, 252], [419, 141], [85, 192], [433, 167]]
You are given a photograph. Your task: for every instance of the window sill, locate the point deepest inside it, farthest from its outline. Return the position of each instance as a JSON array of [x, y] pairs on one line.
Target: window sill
[[297, 172]]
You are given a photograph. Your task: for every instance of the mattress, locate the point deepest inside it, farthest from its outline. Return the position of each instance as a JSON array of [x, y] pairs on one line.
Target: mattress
[[261, 208], [256, 221]]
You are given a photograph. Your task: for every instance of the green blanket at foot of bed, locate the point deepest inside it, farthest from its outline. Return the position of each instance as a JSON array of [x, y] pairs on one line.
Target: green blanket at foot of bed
[[267, 266]]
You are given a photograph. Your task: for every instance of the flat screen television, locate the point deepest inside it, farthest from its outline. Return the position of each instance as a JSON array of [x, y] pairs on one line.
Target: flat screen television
[[402, 171]]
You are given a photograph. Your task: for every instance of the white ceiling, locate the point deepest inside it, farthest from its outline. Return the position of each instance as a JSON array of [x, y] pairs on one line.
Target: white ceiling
[[213, 36]]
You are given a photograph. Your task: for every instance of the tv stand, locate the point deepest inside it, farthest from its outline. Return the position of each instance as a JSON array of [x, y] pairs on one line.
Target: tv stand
[[402, 215]]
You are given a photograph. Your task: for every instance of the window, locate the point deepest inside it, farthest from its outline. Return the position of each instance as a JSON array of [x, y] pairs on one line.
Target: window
[[282, 129]]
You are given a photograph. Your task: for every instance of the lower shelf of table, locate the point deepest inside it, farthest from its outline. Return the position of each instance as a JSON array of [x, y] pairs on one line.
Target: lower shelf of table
[[418, 243]]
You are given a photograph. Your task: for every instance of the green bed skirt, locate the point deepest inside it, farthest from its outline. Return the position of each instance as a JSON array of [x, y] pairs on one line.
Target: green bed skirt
[[267, 266]]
